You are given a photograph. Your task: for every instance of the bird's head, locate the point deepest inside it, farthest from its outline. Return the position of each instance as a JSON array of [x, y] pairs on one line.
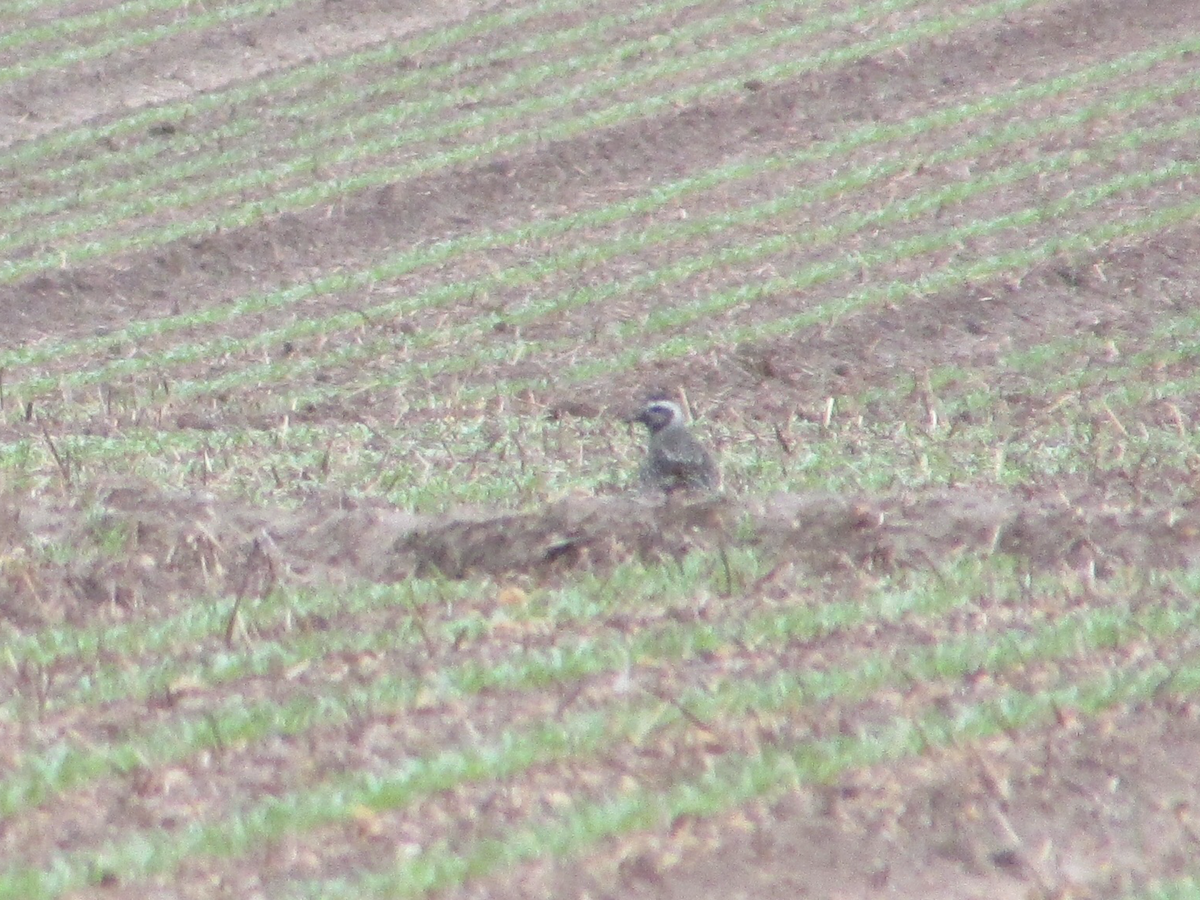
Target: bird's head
[[659, 414]]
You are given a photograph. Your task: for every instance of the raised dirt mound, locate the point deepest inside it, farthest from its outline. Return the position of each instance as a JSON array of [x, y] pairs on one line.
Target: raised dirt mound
[[134, 544]]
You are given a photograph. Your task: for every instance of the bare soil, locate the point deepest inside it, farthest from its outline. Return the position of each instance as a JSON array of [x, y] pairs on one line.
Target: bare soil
[[1096, 807]]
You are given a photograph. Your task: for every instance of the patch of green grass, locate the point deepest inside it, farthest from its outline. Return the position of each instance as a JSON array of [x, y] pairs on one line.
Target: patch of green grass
[[465, 151], [313, 76], [660, 196], [746, 646], [133, 38], [110, 535], [425, 469], [1185, 888], [889, 455], [687, 343], [100, 21], [735, 778], [420, 95], [574, 656], [814, 274]]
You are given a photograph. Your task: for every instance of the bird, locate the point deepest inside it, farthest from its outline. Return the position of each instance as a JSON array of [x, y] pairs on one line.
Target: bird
[[675, 460]]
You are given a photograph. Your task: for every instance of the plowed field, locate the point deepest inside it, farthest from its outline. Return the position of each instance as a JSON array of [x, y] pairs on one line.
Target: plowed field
[[323, 570]]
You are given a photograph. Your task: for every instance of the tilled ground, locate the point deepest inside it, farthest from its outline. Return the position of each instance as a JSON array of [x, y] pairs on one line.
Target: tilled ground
[[881, 826], [1062, 803]]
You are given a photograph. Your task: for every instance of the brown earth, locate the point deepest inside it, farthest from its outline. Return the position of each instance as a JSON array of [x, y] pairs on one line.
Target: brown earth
[[1098, 807], [1071, 802], [181, 544], [566, 175]]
